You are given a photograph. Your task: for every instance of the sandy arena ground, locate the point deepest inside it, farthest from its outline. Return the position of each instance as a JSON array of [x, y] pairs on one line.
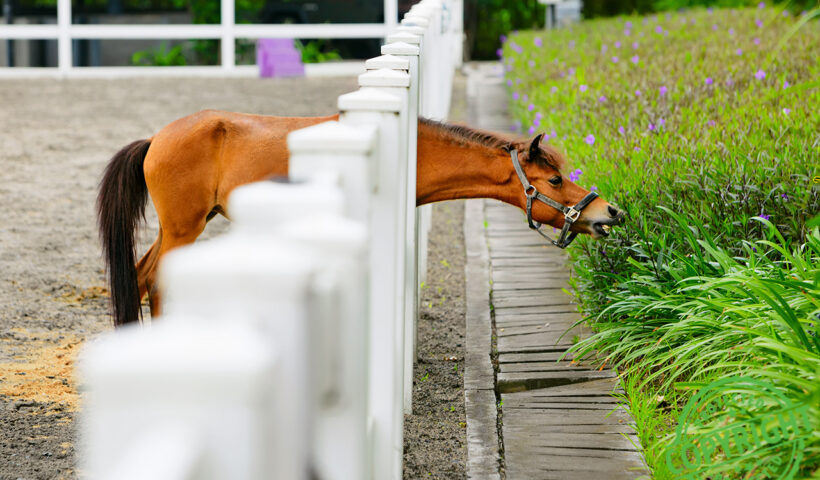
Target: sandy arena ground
[[55, 139]]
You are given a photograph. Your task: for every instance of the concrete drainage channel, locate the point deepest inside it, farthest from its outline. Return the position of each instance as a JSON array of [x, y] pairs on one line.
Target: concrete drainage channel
[[528, 415]]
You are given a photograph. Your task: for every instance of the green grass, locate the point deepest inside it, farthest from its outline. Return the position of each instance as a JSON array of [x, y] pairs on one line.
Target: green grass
[[698, 285]]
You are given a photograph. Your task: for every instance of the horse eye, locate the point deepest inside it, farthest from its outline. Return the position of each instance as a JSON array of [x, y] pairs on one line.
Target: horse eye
[[556, 180]]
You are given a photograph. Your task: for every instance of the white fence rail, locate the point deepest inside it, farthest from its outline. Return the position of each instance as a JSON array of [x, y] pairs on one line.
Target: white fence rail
[[227, 31], [286, 347]]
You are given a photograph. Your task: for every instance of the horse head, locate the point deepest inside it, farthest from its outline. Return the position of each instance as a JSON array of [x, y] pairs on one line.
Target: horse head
[[552, 198]]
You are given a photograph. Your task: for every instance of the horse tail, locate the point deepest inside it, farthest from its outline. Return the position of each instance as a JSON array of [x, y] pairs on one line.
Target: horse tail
[[120, 206]]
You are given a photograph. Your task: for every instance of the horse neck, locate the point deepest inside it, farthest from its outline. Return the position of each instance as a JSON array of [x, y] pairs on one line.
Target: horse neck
[[450, 169]]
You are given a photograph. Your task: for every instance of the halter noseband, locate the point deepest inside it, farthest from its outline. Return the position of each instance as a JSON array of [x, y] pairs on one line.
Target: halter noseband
[[571, 214]]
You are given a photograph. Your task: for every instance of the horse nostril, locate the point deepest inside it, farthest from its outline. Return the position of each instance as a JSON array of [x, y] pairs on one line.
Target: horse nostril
[[613, 212]]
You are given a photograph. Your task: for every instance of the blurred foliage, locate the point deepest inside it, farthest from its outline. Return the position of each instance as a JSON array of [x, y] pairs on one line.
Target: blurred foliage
[[315, 51], [161, 56], [487, 20]]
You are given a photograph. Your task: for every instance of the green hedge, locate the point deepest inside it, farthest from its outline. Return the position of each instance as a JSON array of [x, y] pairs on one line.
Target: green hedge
[[704, 127]]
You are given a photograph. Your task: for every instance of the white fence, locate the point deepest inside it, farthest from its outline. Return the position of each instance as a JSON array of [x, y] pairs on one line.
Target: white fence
[[227, 31], [286, 346]]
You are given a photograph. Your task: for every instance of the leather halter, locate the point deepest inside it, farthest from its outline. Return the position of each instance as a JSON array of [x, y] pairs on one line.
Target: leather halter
[[571, 214]]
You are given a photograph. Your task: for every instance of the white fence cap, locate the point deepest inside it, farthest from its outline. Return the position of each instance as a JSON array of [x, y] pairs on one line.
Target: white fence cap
[[415, 19], [200, 273], [411, 29], [403, 37], [384, 77], [347, 236], [400, 48], [369, 99], [262, 207], [387, 61], [333, 137], [188, 362]]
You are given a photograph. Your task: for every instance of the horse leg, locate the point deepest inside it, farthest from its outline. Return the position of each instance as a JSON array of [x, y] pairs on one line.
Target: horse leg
[[182, 231], [146, 268]]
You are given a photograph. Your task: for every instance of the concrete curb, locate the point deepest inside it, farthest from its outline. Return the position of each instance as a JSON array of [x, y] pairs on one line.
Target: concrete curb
[[483, 458]]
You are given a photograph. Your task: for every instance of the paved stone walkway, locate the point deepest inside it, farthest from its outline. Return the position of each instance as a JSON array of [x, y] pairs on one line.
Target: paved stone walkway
[[557, 419]]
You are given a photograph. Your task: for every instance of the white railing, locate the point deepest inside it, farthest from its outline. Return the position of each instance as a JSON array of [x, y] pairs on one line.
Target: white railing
[[286, 347], [227, 31]]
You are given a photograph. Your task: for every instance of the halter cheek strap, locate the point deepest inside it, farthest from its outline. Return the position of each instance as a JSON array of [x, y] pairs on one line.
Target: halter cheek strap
[[571, 214]]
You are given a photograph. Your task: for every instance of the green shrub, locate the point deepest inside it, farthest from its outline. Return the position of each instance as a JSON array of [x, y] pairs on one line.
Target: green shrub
[[487, 20], [700, 125]]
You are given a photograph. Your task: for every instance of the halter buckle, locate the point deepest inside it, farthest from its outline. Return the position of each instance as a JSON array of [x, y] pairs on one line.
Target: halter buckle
[[572, 215]]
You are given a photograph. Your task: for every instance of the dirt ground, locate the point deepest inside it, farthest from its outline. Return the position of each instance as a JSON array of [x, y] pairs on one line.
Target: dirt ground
[[55, 139]]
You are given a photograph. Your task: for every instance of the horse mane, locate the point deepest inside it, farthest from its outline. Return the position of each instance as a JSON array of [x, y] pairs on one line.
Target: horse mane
[[549, 156]]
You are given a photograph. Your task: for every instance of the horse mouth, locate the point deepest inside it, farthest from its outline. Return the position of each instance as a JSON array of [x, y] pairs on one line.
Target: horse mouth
[[601, 230]]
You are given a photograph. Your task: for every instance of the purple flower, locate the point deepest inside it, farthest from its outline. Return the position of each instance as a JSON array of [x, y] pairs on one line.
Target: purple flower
[[627, 32], [531, 63], [637, 93], [525, 97], [785, 84], [715, 27], [635, 59], [708, 80], [662, 90], [590, 140], [583, 88], [531, 130], [538, 42], [570, 71], [539, 115], [615, 59], [536, 122], [628, 24], [711, 123], [759, 23], [499, 52], [661, 122], [756, 41], [621, 130], [784, 196], [786, 111], [503, 38], [554, 89], [635, 45], [729, 82], [761, 5], [574, 176], [602, 99], [739, 51], [637, 149], [604, 48], [760, 75], [553, 134], [764, 217], [509, 83], [515, 96], [571, 44], [786, 13], [593, 189], [531, 107], [731, 31], [659, 29], [617, 44]]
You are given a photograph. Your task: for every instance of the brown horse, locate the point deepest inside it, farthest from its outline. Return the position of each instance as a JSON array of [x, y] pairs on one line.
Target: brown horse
[[191, 166]]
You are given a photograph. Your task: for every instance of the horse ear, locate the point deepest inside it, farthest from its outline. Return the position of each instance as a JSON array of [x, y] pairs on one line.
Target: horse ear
[[535, 148]]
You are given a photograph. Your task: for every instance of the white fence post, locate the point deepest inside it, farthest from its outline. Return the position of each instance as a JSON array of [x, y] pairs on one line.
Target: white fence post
[[398, 82], [228, 40], [170, 403], [338, 317], [373, 107], [408, 54], [65, 57]]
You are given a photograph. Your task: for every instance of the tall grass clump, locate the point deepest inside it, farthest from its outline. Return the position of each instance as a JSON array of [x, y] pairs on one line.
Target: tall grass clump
[[704, 126]]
